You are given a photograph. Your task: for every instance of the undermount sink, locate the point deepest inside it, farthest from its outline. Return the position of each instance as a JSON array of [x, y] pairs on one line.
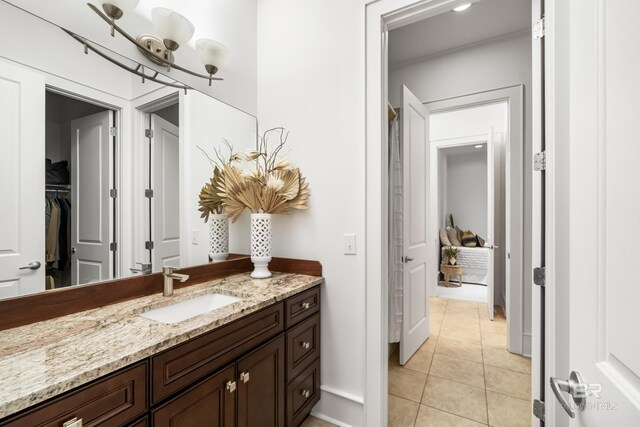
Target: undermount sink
[[184, 310]]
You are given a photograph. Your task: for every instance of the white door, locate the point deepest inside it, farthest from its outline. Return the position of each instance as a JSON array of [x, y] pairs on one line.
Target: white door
[[91, 204], [22, 240], [165, 213], [417, 204], [604, 215], [490, 223]]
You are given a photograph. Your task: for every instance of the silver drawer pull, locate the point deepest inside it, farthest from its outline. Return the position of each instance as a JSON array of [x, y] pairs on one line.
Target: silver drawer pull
[[231, 386], [306, 394], [306, 345], [74, 422], [306, 305], [244, 377]]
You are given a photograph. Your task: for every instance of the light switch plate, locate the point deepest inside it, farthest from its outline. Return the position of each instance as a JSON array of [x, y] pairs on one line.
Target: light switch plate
[[349, 244], [195, 236]]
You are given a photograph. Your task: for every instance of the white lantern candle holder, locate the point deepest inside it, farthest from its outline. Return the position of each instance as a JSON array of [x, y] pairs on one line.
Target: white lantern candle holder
[[218, 237], [260, 245]]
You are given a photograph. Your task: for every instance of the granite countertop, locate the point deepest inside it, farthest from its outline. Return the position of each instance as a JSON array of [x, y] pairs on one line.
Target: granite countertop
[[45, 359]]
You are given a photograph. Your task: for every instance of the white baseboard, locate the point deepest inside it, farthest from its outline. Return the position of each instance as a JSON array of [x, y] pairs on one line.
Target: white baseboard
[[340, 408]]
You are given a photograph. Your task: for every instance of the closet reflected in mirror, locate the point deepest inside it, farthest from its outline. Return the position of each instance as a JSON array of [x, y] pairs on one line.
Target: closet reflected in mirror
[[100, 171]]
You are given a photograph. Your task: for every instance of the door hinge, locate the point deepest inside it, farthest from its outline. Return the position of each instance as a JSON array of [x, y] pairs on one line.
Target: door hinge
[[148, 193], [540, 161], [113, 131], [539, 276], [113, 246], [148, 133], [113, 193], [149, 244], [539, 29], [538, 409]]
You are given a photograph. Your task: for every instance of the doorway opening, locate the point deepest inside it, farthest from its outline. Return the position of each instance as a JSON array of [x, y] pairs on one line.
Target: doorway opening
[[471, 73], [80, 203], [159, 243]]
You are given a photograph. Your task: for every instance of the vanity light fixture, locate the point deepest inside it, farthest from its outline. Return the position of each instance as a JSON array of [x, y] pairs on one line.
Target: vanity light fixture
[[174, 30], [462, 7]]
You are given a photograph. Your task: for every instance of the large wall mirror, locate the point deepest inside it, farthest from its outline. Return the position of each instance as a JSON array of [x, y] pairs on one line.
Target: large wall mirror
[[100, 171]]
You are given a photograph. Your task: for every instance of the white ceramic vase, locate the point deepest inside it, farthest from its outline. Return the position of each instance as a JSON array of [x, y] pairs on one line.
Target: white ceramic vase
[[260, 245], [218, 237]]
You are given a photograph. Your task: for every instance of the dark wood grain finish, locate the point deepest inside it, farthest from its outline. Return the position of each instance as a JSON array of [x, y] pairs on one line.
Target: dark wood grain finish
[[299, 405], [297, 266], [303, 346], [109, 402], [302, 306], [208, 403], [261, 397], [142, 422], [184, 364]]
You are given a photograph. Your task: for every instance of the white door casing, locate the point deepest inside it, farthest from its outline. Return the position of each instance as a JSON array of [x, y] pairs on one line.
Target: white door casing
[[91, 205], [604, 213], [165, 215], [491, 238], [22, 172], [418, 271]]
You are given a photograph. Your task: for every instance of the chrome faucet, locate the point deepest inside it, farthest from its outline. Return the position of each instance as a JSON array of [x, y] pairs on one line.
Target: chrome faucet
[[169, 274]]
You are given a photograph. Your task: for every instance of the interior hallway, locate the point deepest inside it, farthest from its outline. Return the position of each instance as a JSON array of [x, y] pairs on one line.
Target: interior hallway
[[462, 375]]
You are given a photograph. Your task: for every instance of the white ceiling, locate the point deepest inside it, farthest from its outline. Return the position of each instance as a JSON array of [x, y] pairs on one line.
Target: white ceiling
[[484, 20]]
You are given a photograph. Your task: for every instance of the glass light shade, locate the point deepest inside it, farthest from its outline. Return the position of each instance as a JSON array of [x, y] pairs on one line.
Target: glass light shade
[[124, 5], [213, 53], [171, 25]]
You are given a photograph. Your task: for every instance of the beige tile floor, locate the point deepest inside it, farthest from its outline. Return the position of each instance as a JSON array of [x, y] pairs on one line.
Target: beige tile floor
[[462, 375], [312, 421]]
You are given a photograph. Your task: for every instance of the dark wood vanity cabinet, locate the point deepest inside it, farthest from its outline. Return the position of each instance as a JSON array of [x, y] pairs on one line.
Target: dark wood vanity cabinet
[[260, 370]]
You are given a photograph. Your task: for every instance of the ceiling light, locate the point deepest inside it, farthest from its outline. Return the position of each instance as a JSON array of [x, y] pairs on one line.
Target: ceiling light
[[462, 7], [479, 146]]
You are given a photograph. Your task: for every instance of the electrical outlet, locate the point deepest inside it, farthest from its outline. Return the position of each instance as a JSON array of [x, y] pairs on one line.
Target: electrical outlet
[[195, 237], [349, 244]]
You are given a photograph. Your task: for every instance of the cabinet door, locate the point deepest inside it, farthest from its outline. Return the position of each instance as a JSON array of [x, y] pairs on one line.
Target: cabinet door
[[211, 403], [261, 388]]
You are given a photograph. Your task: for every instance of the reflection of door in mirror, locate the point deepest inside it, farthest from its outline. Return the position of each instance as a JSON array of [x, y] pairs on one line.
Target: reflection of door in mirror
[[21, 180], [165, 178], [79, 225]]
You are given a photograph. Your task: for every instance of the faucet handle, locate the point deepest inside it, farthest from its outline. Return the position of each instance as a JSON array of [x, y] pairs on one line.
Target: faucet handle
[[167, 270]]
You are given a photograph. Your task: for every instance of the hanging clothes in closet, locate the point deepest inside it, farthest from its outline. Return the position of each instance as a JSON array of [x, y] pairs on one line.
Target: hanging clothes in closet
[[58, 230]]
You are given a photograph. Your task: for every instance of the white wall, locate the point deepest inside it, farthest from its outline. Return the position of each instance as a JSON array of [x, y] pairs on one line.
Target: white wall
[[496, 64], [311, 80], [205, 122], [466, 189], [231, 22]]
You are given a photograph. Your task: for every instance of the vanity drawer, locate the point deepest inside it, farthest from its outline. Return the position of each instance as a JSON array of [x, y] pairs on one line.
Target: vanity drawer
[[303, 346], [302, 394], [184, 364], [142, 422], [113, 401], [302, 306]]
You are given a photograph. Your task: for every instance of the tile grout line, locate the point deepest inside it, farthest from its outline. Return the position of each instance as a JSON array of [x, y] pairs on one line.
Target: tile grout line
[[484, 372], [431, 361]]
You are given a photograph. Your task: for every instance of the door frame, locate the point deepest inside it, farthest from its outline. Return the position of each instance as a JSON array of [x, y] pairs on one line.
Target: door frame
[[120, 179], [380, 17], [142, 107], [518, 341]]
